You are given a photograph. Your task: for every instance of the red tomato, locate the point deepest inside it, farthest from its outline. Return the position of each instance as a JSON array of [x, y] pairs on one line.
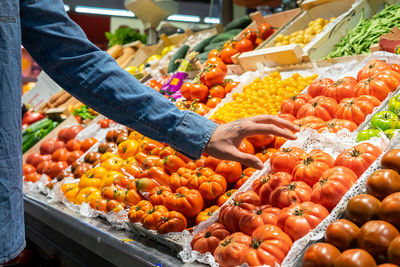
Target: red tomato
[[258, 217], [285, 159], [217, 61], [250, 34], [321, 106], [320, 255], [293, 104], [213, 76], [358, 158], [373, 67], [50, 145], [227, 53], [88, 143], [244, 45], [72, 156], [332, 186], [199, 91], [316, 87], [356, 109], [264, 185], [266, 30], [55, 168], [28, 169], [285, 195], [342, 234], [59, 154], [343, 88], [185, 90], [298, 219], [73, 144], [310, 167]]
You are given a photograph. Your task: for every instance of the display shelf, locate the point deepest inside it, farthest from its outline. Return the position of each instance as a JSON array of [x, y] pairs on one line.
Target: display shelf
[[79, 241]]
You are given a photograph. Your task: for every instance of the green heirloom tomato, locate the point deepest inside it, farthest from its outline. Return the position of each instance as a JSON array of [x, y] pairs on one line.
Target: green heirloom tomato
[[367, 134], [394, 105], [390, 133], [385, 120]]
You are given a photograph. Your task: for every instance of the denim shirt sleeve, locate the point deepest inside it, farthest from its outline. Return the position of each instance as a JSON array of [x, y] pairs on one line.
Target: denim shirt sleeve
[[92, 76]]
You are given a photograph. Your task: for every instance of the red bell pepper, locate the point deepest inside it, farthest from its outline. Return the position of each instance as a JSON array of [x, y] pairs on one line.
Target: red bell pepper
[[31, 117]]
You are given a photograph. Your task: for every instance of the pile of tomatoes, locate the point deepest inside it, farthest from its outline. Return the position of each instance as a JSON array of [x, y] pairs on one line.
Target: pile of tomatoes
[[156, 183], [370, 233], [263, 96], [343, 104], [249, 40], [56, 154], [258, 227]]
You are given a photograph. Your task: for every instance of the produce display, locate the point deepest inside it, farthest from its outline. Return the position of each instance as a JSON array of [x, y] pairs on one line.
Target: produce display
[[367, 33], [284, 205], [370, 233], [262, 96], [153, 181], [222, 207], [305, 36]]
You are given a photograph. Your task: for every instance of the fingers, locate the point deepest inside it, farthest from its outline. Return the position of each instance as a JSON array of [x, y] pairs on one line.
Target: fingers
[[259, 128], [268, 119], [248, 160]]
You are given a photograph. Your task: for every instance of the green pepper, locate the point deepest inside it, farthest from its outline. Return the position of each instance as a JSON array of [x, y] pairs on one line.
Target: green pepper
[[394, 105], [385, 120], [390, 133], [367, 134]]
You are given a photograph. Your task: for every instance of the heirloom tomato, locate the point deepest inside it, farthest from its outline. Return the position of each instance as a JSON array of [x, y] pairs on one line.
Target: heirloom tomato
[[265, 184], [310, 167], [159, 194], [285, 159], [343, 88], [212, 187], [321, 107], [373, 67], [70, 191], [207, 240], [185, 200], [298, 219], [356, 109], [243, 202], [231, 170], [285, 195], [212, 163], [316, 87], [379, 86], [205, 214], [385, 120], [150, 218], [258, 217], [293, 104], [266, 154], [355, 258], [232, 250], [131, 197], [358, 158], [171, 221], [137, 211], [332, 186], [99, 204], [336, 125], [246, 147], [88, 143], [224, 197]]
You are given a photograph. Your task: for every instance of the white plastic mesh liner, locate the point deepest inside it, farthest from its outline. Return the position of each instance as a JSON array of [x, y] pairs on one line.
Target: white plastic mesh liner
[[307, 140]]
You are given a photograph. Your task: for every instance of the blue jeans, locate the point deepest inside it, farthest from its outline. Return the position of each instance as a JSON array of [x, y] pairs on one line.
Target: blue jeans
[[92, 76]]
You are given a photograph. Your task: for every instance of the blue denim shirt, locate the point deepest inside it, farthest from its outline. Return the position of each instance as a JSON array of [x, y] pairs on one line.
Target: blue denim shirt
[[92, 76]]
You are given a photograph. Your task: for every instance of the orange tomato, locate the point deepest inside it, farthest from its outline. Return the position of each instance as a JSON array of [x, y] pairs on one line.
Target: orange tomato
[[70, 191], [223, 198], [128, 148], [84, 194], [231, 170], [136, 212], [205, 214]]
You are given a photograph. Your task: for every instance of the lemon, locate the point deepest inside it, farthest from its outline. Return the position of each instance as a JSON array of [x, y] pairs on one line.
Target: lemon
[[131, 69], [166, 50], [154, 58]]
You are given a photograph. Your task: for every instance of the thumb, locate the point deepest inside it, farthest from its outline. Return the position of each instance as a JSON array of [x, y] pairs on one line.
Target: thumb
[[249, 160]]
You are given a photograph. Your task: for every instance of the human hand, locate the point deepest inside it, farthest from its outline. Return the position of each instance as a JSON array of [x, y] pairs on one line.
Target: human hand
[[226, 138]]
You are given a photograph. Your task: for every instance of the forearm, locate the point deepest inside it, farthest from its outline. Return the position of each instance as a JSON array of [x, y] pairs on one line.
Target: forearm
[[92, 76]]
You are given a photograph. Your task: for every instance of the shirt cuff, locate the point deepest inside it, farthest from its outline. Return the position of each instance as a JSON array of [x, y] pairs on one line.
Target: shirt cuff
[[192, 134]]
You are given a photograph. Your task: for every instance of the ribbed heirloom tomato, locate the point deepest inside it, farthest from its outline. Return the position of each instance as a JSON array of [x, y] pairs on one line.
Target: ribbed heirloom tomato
[[207, 240], [317, 86], [310, 167], [136, 212], [224, 197], [379, 85], [356, 109], [358, 158], [232, 250], [171, 221], [285, 195], [152, 216], [230, 214], [269, 246], [212, 187], [336, 125], [159, 194], [266, 154], [285, 159], [264, 185], [185, 200], [293, 104], [258, 217], [205, 214], [231, 170], [373, 67], [321, 106], [309, 122], [342, 88], [332, 186], [298, 219]]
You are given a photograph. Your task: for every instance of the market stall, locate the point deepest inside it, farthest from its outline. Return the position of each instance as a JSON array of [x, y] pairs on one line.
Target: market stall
[[109, 195]]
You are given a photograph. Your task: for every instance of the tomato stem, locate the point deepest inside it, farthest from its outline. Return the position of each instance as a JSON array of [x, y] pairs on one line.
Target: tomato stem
[[255, 243]]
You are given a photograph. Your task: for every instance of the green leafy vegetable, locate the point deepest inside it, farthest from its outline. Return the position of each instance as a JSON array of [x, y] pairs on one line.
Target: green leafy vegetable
[[367, 32], [125, 35]]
